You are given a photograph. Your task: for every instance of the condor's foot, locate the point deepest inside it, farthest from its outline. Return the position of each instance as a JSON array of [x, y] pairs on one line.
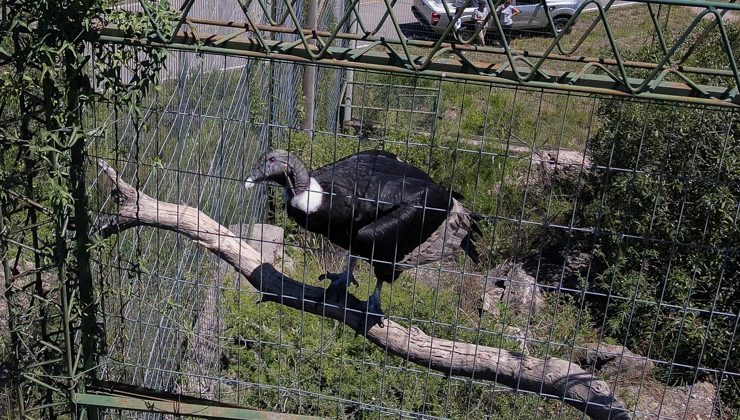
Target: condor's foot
[[374, 311], [340, 282]]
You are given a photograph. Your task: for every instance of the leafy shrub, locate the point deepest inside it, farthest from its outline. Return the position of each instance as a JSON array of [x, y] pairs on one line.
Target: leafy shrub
[[664, 203]]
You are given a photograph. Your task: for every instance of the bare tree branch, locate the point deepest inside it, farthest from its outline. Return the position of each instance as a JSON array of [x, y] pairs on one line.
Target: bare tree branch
[[552, 378]]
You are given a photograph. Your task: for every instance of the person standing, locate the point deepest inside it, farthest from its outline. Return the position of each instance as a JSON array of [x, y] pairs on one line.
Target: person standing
[[506, 13], [460, 6], [479, 17]]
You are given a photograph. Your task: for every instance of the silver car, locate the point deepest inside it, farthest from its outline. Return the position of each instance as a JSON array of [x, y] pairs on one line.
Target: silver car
[[432, 14]]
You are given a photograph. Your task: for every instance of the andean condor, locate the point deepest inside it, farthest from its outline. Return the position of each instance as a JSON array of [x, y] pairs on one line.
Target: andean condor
[[375, 206]]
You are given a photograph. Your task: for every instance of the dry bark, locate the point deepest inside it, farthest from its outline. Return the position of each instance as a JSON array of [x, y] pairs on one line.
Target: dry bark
[[553, 378], [613, 359]]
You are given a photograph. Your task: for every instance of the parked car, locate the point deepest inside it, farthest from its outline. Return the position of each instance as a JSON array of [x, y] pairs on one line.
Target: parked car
[[432, 14]]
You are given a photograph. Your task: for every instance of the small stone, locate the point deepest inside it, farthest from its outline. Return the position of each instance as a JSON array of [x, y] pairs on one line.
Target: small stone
[[508, 283]]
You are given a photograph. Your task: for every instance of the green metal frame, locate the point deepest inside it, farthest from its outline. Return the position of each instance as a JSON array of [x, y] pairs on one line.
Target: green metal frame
[[665, 79], [454, 69], [118, 402]]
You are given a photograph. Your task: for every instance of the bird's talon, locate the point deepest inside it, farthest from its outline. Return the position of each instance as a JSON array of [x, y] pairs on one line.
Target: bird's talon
[[374, 312], [339, 281], [374, 319], [380, 322]]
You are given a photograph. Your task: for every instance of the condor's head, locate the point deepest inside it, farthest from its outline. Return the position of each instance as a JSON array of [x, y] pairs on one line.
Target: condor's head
[[282, 168]]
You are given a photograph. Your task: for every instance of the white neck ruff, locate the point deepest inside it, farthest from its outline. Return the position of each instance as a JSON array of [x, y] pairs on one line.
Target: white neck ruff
[[310, 200]]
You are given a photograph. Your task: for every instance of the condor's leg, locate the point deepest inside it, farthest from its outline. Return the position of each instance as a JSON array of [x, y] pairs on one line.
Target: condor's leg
[[374, 310], [341, 281], [390, 238]]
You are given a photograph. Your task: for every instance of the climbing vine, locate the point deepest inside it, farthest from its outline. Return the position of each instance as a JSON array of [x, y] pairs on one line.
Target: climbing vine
[[52, 70]]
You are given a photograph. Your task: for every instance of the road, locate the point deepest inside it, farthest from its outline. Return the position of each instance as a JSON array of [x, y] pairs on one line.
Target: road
[[372, 11]]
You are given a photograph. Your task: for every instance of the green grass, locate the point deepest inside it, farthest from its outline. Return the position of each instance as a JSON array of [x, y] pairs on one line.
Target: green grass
[[630, 26], [280, 347], [471, 111], [473, 116], [287, 360]]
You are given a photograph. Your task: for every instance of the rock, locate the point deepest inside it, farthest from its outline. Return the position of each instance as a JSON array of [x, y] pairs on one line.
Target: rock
[[508, 283], [268, 241], [362, 129], [450, 113], [651, 399], [515, 333], [551, 267], [548, 167], [555, 166], [655, 400], [612, 359]]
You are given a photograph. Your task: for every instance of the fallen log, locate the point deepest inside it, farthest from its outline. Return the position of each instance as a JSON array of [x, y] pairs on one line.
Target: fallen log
[[550, 378]]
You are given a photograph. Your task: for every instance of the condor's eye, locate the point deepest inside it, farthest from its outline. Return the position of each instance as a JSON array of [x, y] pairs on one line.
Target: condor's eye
[[271, 160]]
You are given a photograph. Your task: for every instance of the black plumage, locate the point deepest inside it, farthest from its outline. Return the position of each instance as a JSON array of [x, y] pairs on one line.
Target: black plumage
[[377, 207]]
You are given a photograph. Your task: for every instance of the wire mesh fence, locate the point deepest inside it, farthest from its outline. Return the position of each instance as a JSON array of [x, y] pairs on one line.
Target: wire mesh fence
[[595, 250], [600, 163]]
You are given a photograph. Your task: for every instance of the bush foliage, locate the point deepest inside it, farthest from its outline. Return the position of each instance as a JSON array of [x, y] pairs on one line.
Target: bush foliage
[[664, 205]]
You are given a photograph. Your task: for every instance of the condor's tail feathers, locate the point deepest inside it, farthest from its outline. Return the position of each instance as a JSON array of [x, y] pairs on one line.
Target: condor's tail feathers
[[468, 242]]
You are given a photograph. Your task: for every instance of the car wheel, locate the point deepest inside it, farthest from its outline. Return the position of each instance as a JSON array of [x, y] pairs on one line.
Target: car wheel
[[467, 31], [560, 23]]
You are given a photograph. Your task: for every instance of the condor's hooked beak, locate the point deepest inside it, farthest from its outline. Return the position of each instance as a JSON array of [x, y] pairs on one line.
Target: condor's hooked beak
[[261, 172], [253, 180], [268, 168], [256, 176]]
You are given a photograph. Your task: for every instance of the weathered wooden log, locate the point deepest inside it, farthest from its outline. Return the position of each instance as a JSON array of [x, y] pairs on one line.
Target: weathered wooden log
[[551, 378]]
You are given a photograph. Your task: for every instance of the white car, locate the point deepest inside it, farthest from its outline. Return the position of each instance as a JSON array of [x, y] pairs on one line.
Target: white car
[[432, 14]]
